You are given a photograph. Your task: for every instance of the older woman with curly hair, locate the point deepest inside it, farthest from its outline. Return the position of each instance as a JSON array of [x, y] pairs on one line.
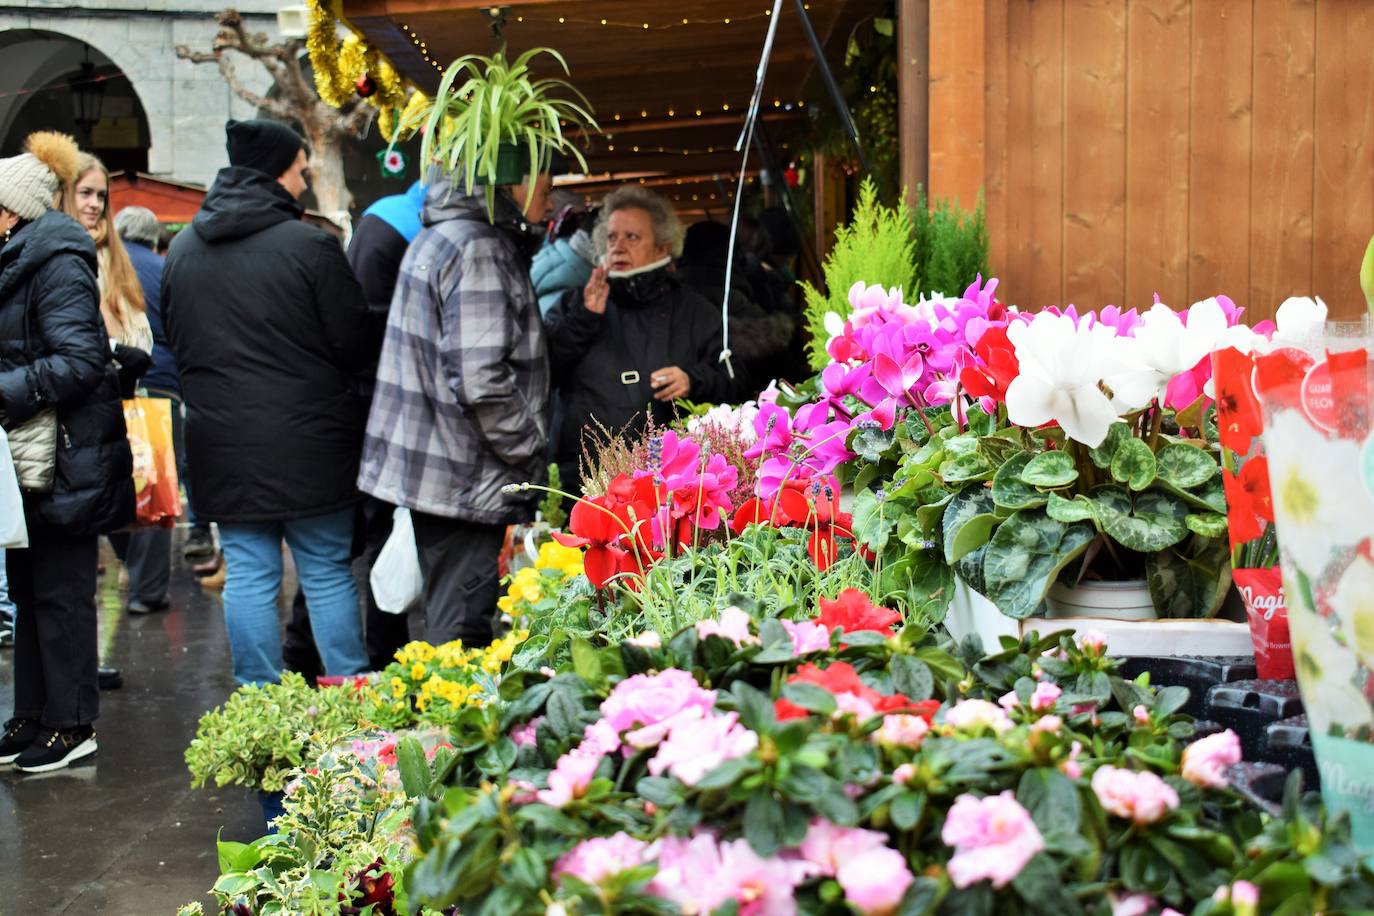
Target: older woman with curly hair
[[624, 347]]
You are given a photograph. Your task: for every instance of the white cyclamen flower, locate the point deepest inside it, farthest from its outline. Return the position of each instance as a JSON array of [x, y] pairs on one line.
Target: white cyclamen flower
[[1352, 601], [1327, 672]]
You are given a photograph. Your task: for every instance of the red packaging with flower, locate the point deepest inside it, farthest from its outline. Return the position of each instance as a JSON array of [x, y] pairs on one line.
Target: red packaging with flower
[[1262, 592]]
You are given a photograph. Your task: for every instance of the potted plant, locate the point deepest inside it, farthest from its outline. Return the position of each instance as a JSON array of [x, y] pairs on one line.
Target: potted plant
[[495, 124]]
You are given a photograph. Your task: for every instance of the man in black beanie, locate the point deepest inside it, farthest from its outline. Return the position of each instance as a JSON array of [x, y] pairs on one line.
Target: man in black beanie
[[269, 328]]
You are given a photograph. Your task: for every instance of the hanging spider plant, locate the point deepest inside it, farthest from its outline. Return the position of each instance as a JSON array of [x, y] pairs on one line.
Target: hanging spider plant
[[494, 124]]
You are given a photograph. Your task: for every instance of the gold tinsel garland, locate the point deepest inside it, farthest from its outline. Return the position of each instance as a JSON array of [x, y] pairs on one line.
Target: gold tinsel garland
[[339, 66]]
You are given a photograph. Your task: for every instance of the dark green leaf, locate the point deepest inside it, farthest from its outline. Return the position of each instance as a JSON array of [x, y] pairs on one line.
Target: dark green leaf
[[727, 773], [498, 757], [810, 697], [563, 714], [755, 708], [1050, 469], [1156, 521], [911, 677], [1117, 433], [1051, 799], [763, 822], [1043, 889], [413, 767], [527, 869], [906, 809], [1007, 489], [1024, 557], [1134, 464], [1185, 466], [661, 790], [971, 507]]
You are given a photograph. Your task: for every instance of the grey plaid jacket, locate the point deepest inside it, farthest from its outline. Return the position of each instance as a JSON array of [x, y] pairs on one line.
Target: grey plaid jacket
[[460, 408]]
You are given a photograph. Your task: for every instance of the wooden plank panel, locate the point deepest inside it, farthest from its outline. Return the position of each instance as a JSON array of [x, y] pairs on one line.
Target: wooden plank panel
[[1035, 158], [1157, 134], [1219, 162], [995, 182], [1281, 183], [1094, 152], [913, 94], [956, 100], [1344, 196]]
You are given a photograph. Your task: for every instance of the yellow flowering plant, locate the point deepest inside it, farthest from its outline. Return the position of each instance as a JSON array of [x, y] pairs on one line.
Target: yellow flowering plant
[[534, 589], [436, 683]]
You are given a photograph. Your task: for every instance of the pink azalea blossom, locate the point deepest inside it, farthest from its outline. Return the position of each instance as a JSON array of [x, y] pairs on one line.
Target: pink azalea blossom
[[733, 625], [1138, 796], [970, 715], [993, 839], [699, 875], [1070, 766], [647, 701], [1045, 696], [828, 844], [599, 858], [1205, 761], [697, 746], [901, 731], [874, 879], [807, 636], [1092, 642], [1243, 896], [649, 639], [598, 739], [568, 780], [1141, 715], [523, 735], [903, 774], [1009, 700], [1047, 724], [1133, 905]]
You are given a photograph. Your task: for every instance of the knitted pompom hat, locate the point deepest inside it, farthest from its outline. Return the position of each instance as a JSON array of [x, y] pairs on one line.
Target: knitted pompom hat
[[29, 181]]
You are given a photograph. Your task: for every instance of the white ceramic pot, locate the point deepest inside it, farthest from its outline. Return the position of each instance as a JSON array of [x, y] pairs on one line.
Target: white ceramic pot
[[969, 612], [1129, 600]]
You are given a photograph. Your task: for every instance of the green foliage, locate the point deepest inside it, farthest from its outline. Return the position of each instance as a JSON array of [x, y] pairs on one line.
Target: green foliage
[[486, 105], [262, 732], [877, 247], [951, 245], [551, 510]]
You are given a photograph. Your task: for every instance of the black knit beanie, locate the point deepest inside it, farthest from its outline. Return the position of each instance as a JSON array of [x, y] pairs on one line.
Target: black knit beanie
[[268, 146]]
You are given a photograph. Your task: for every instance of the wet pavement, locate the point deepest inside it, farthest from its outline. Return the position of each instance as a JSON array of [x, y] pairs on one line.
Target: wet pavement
[[124, 834]]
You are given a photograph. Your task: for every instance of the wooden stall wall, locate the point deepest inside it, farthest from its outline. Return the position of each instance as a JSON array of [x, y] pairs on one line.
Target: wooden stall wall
[[1179, 147]]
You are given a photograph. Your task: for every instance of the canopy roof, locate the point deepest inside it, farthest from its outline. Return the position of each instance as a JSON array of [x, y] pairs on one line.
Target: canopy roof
[[670, 97]]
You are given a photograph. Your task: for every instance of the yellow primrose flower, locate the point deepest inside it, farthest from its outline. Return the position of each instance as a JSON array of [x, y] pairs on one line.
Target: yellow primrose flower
[[417, 671], [398, 687]]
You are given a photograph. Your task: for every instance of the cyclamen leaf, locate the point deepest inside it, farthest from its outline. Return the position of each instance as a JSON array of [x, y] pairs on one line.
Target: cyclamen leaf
[[1156, 521], [971, 506], [1208, 524], [971, 466], [1117, 433], [1024, 557], [1078, 509], [1134, 464], [1050, 469], [1007, 489], [1186, 466]]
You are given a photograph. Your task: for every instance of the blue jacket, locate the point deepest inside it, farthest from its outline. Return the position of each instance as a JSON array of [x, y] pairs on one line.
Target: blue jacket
[[560, 266], [401, 211], [162, 377]]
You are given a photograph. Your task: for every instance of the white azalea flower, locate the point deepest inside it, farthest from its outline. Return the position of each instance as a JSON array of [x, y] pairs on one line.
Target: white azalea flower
[[1062, 368], [1320, 503], [1353, 602], [1327, 671]]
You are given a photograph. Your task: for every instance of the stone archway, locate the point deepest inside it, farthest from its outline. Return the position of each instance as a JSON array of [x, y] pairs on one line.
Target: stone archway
[[60, 82]]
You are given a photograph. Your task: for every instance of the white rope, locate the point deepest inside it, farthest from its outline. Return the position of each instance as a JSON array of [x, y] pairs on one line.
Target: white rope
[[746, 138]]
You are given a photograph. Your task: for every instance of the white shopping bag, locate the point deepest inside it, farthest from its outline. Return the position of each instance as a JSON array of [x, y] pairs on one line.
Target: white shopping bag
[[396, 579], [13, 531]]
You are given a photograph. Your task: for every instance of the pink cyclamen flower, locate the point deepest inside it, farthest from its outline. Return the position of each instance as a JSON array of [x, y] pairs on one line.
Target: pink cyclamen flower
[[1205, 760], [993, 839], [599, 858], [969, 715], [1045, 696], [523, 735], [1070, 766], [568, 780], [697, 746], [874, 879], [901, 731], [1141, 715], [1093, 642], [733, 625], [647, 703], [903, 774], [1138, 796], [807, 636]]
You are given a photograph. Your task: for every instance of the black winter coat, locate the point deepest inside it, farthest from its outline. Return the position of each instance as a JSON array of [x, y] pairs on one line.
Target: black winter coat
[[650, 324], [269, 328], [55, 352]]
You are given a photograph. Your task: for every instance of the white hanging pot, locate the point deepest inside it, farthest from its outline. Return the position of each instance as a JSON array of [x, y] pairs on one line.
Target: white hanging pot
[[1129, 600]]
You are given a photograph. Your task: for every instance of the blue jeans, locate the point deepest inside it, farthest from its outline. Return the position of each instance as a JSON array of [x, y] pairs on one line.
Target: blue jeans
[[321, 547], [6, 603]]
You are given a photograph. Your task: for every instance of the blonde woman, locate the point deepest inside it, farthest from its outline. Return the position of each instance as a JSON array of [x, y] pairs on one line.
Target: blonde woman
[[146, 553]]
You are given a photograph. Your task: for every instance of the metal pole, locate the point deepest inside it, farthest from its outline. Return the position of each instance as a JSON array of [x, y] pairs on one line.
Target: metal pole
[[836, 96]]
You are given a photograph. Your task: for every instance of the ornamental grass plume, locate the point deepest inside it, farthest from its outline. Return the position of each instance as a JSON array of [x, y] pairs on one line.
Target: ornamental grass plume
[[993, 839]]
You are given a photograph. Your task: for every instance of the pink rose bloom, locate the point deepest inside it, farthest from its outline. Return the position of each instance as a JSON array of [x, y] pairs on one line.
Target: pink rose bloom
[[600, 858], [874, 879], [1070, 767], [1141, 715], [568, 780], [1048, 724], [1205, 760], [697, 746], [1093, 642], [901, 731], [1138, 796], [1133, 905], [993, 839], [903, 774], [968, 715], [807, 636], [1045, 696], [732, 625], [649, 639], [523, 735], [650, 700]]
